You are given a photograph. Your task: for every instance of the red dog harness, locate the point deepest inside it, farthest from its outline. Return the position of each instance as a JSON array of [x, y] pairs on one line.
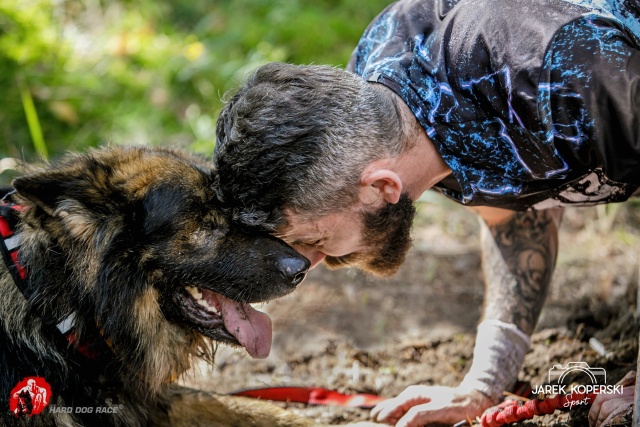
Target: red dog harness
[[10, 242], [10, 247]]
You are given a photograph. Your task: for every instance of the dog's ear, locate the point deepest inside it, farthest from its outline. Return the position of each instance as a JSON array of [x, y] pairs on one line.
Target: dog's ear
[[43, 189], [47, 189]]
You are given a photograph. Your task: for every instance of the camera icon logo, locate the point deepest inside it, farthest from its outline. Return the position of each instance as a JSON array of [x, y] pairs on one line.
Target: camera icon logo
[[559, 372]]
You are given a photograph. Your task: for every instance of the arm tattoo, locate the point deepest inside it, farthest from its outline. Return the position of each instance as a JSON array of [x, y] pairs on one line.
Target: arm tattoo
[[519, 256]]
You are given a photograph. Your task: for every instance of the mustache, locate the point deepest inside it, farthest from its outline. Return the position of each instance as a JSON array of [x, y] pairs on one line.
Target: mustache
[[343, 261]]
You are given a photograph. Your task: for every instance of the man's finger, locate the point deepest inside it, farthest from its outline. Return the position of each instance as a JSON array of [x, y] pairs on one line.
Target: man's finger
[[612, 408], [385, 413], [606, 406], [595, 409], [390, 411], [620, 411], [376, 409], [421, 415], [597, 415]]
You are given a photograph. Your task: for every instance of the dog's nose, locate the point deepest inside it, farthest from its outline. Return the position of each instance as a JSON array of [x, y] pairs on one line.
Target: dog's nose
[[294, 269]]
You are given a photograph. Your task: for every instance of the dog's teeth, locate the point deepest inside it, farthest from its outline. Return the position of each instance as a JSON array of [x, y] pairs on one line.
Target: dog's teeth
[[195, 292], [197, 295], [208, 307]]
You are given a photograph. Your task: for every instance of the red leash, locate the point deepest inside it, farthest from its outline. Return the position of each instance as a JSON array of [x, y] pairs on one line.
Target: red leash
[[511, 411], [323, 396], [313, 396]]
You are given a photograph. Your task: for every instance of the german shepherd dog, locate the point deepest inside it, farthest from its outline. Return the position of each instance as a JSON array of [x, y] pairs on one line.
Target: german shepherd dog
[[120, 269]]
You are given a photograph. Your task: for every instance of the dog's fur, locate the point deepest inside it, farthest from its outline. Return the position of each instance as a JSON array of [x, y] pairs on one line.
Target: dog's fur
[[115, 235]]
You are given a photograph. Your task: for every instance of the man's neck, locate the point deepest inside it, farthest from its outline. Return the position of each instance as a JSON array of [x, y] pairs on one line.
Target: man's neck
[[421, 166]]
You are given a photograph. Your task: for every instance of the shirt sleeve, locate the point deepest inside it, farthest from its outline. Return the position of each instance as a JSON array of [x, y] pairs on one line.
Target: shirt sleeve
[[589, 96]]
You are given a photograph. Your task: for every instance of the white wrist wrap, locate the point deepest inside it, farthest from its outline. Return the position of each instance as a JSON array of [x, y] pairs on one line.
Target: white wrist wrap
[[497, 356]]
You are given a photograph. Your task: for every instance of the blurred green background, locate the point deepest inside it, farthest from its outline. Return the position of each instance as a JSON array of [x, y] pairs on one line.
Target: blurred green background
[[81, 73]]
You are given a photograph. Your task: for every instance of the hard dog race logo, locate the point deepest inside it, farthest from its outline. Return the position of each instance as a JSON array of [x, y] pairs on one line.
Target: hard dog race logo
[[30, 397]]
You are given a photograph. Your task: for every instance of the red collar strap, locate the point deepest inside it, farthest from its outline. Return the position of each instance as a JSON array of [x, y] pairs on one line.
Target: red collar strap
[[312, 396], [10, 242], [10, 247]]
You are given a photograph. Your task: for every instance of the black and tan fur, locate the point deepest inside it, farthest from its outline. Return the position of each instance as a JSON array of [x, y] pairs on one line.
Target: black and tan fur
[[115, 235]]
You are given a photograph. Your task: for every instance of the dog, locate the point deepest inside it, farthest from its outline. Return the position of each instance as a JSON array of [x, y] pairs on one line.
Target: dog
[[120, 269]]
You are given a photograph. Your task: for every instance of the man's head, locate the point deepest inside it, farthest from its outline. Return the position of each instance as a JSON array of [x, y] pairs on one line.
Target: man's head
[[292, 146]]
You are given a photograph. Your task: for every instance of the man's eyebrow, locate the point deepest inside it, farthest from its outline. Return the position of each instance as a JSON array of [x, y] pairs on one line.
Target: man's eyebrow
[[308, 240]]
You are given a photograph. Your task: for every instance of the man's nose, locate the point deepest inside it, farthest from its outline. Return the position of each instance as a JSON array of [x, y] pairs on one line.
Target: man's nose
[[315, 257]]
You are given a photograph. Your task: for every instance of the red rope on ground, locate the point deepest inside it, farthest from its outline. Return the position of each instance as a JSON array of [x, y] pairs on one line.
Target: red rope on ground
[[511, 411], [313, 396]]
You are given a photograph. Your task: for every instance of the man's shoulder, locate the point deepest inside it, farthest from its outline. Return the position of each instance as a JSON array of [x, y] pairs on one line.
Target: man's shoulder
[[453, 56], [459, 27]]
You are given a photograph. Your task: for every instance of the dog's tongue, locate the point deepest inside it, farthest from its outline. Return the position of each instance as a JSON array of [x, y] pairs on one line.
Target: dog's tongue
[[251, 327]]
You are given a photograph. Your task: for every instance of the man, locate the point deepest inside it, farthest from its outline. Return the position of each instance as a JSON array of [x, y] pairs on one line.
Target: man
[[514, 108]]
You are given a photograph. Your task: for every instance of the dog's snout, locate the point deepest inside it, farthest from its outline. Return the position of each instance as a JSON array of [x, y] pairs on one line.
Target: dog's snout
[[294, 269]]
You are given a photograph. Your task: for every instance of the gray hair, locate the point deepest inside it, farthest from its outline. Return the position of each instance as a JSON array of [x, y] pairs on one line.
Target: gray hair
[[298, 137]]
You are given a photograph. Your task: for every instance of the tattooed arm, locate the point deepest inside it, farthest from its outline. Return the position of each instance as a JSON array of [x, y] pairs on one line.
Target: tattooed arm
[[519, 255]]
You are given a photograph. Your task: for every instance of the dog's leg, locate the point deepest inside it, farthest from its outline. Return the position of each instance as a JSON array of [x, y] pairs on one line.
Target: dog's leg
[[197, 408]]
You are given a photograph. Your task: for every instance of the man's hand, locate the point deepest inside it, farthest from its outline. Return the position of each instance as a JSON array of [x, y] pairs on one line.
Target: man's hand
[[606, 407], [418, 405]]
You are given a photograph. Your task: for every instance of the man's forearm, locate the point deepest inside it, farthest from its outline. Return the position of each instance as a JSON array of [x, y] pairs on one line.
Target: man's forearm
[[519, 257]]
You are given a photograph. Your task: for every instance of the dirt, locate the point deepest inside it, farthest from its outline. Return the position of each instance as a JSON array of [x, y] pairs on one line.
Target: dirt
[[346, 331]]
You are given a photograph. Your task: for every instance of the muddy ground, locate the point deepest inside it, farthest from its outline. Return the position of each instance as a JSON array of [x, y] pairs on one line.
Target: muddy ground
[[346, 331]]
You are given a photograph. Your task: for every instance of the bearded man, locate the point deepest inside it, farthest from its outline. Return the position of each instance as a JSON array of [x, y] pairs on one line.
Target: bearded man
[[514, 108]]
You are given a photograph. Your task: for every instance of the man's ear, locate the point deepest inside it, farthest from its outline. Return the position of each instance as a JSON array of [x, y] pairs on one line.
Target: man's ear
[[384, 182]]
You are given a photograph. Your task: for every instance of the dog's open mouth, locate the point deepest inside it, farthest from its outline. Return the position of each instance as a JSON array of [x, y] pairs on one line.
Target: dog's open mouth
[[222, 318]]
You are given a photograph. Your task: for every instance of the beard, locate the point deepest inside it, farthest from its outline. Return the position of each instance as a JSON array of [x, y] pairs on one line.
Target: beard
[[387, 232]]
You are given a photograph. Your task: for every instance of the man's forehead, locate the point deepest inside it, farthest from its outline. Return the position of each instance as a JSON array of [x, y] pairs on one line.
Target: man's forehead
[[300, 226]]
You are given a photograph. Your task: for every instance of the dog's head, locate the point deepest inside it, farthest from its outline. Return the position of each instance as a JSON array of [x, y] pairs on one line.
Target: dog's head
[[135, 240]]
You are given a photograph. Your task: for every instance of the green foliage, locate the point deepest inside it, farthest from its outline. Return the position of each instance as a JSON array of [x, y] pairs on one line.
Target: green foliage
[[80, 73]]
